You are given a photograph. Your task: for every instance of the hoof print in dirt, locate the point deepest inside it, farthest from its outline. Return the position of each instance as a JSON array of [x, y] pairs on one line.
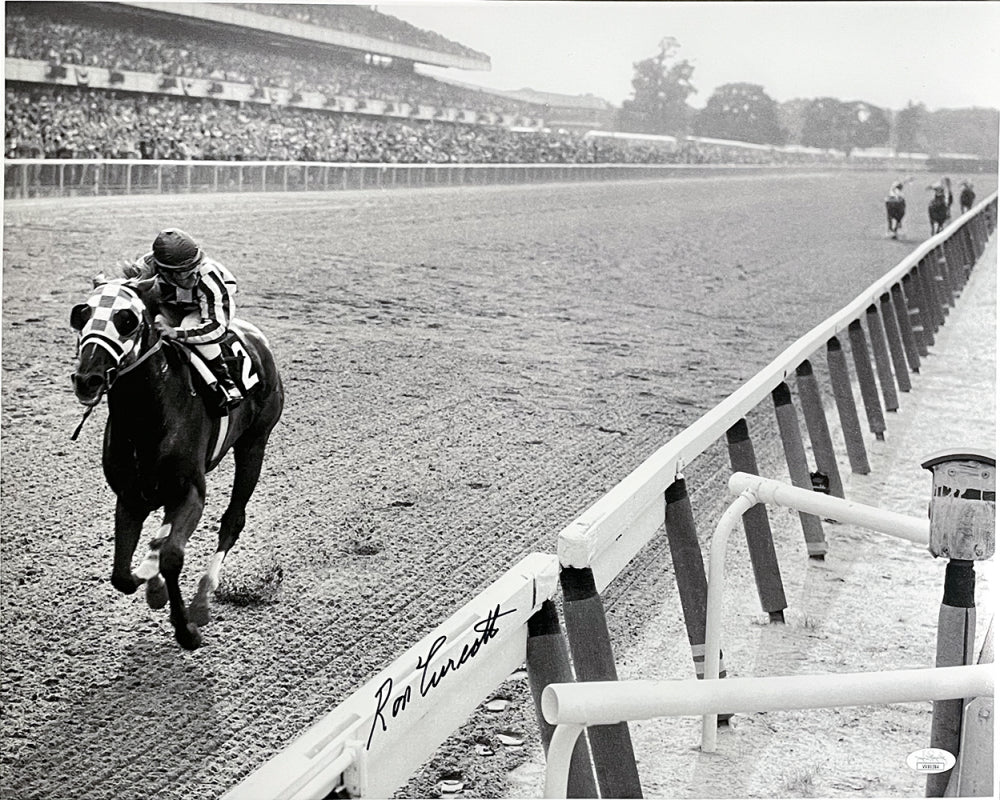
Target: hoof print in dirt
[[498, 704], [450, 784], [263, 590]]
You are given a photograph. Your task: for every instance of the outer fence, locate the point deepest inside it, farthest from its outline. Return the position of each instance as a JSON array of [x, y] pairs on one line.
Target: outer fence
[[55, 177], [573, 707], [372, 742]]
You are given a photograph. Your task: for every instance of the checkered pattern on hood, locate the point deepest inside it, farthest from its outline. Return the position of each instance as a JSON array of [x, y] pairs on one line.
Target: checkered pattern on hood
[[100, 328]]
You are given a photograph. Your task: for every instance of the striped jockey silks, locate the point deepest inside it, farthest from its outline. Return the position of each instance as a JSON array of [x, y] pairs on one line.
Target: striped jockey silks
[[101, 329], [213, 298]]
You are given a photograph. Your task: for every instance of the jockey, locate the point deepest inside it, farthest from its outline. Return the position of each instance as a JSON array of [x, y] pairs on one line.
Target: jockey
[[200, 291], [895, 208]]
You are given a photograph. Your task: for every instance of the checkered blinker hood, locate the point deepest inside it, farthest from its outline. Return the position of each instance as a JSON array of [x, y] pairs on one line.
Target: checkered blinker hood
[[111, 318]]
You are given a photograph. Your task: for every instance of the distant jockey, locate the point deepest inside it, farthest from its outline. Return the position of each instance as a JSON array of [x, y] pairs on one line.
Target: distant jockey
[[895, 208], [199, 292]]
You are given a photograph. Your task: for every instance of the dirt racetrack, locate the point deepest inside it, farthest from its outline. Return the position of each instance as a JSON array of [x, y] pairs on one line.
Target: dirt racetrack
[[466, 371]]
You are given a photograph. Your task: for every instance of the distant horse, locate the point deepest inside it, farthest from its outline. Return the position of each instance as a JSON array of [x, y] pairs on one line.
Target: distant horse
[[895, 210], [162, 438], [966, 197], [938, 211]]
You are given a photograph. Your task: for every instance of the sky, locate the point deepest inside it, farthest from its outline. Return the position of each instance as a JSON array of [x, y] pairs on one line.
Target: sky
[[943, 54]]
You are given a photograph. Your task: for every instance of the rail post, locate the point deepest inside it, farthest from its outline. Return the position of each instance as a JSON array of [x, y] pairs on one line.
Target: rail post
[[593, 660], [935, 304], [962, 519], [895, 340], [843, 395], [922, 336], [866, 379], [928, 316], [876, 332], [757, 526], [689, 570], [905, 327], [798, 466], [944, 280], [547, 661], [816, 425]]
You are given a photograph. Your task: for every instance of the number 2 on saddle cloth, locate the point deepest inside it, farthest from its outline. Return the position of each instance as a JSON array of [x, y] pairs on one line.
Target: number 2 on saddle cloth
[[238, 361]]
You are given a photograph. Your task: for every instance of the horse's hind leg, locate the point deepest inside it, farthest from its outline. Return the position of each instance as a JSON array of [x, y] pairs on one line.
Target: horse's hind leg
[[249, 459]]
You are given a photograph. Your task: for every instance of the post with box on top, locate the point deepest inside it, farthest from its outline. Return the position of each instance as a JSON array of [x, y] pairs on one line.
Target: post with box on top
[[962, 518]]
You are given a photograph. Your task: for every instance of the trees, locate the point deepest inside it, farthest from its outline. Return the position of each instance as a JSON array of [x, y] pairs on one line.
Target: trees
[[908, 123], [870, 126], [741, 112], [832, 124], [661, 86]]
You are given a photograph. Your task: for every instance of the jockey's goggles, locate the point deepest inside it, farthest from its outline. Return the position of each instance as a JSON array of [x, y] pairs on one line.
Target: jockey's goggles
[[185, 267]]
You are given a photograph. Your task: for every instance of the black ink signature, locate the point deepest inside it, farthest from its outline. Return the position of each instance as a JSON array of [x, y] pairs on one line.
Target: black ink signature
[[486, 628]]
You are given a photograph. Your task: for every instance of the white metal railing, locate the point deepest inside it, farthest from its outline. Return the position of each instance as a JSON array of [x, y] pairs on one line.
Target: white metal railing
[[753, 489], [614, 529], [571, 707], [72, 177]]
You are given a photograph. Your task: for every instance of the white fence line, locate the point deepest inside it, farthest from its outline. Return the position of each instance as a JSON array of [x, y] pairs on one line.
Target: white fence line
[[48, 177], [377, 738], [574, 706], [613, 530]]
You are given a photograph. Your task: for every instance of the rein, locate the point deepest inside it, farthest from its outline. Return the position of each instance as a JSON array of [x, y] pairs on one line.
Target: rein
[[111, 376]]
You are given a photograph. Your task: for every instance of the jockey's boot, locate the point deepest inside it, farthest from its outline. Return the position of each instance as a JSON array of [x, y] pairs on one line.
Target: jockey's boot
[[231, 395]]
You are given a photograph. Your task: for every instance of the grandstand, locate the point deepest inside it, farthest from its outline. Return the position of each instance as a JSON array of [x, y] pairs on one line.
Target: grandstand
[[296, 82]]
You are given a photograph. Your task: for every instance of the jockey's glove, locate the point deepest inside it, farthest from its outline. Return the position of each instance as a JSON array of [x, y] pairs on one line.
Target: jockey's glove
[[166, 330]]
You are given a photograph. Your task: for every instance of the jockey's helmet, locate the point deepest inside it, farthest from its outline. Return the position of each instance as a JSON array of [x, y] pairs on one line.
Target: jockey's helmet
[[175, 251]]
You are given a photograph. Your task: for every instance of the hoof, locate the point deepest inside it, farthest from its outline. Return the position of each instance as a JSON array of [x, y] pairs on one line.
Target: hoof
[[156, 592], [125, 585], [188, 636], [198, 611]]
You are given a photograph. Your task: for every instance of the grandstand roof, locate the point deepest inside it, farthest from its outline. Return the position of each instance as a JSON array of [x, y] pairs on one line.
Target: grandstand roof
[[555, 100], [231, 14]]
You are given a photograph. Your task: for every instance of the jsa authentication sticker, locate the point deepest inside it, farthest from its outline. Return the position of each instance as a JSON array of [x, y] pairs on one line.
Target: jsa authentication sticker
[[930, 760]]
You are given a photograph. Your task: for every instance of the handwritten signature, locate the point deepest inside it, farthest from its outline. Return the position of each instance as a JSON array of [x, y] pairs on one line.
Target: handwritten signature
[[431, 678]]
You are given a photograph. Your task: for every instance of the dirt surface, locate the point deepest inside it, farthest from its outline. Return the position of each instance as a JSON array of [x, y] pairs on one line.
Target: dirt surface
[[466, 370]]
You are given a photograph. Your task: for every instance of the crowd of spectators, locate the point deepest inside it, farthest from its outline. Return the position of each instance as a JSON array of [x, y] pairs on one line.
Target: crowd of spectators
[[114, 45], [366, 21], [73, 122], [58, 121]]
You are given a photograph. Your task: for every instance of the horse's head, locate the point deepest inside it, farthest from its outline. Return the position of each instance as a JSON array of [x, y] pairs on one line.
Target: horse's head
[[114, 329]]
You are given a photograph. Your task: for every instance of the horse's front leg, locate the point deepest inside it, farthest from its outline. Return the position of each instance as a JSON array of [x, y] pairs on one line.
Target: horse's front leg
[[128, 527], [179, 522]]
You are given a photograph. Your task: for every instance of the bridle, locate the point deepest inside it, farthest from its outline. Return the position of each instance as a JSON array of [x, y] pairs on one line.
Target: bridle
[[115, 320]]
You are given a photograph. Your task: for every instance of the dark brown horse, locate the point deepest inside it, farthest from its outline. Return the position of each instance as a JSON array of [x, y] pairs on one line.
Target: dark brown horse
[[162, 438], [937, 210]]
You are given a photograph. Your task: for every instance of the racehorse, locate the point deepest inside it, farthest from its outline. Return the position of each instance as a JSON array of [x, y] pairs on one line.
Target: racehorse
[[938, 210], [162, 437], [895, 209], [967, 196]]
